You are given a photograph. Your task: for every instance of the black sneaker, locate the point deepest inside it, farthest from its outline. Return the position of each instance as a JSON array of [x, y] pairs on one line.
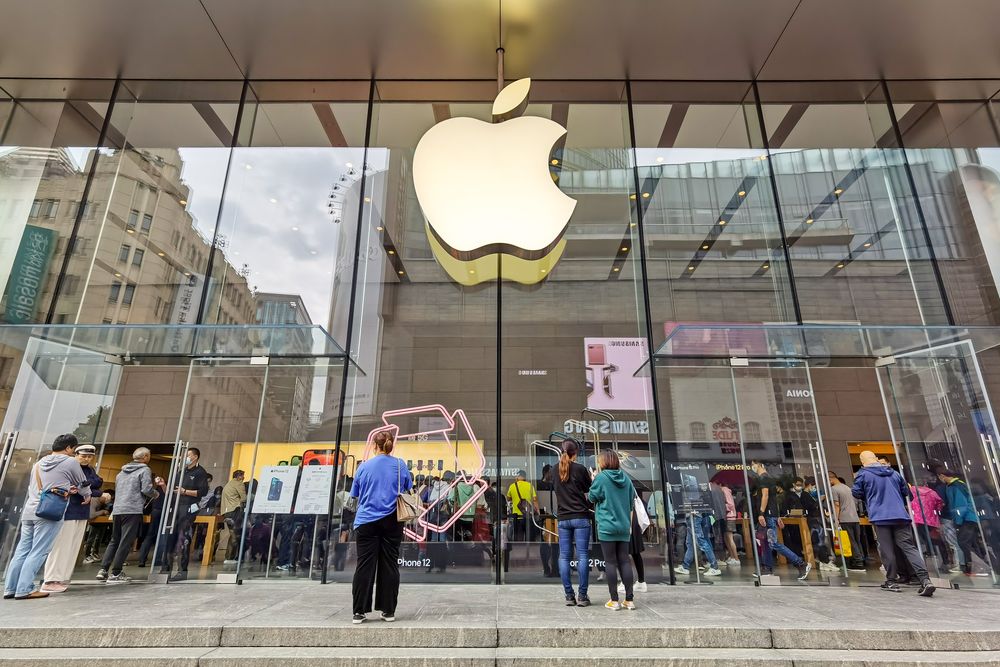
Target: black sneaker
[[891, 586], [358, 619], [180, 576], [102, 574], [583, 601], [388, 618], [804, 570], [926, 590], [570, 600]]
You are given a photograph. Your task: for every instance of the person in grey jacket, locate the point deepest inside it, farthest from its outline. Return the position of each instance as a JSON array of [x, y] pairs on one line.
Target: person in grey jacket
[[133, 487], [58, 469]]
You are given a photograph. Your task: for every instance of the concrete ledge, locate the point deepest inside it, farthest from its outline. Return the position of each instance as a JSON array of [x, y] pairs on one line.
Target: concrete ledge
[[886, 640], [374, 634], [92, 635], [317, 657], [635, 637], [105, 657]]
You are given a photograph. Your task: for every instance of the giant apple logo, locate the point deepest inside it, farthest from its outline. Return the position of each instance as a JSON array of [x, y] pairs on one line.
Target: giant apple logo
[[486, 189]]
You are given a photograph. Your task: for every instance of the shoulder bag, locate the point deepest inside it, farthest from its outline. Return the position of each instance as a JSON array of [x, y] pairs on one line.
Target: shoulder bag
[[640, 512], [407, 503], [52, 502]]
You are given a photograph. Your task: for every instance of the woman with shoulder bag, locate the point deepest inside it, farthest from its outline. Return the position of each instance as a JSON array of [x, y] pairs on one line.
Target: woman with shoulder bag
[[613, 495], [378, 485]]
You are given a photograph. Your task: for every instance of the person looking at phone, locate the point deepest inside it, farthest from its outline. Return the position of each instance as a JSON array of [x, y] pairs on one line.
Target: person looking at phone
[[613, 494], [572, 483], [192, 486], [377, 485]]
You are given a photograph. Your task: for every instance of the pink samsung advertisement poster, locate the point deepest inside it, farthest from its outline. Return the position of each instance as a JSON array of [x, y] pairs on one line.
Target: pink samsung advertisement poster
[[610, 365]]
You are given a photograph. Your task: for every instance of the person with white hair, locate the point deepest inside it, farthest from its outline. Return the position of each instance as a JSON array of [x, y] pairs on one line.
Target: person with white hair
[[133, 487]]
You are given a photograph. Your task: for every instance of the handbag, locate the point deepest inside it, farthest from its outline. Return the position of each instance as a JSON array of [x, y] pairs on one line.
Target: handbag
[[640, 512], [842, 544], [408, 505], [52, 502]]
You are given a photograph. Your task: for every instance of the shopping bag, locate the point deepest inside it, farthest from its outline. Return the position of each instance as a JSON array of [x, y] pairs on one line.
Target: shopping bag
[[640, 513], [842, 544]]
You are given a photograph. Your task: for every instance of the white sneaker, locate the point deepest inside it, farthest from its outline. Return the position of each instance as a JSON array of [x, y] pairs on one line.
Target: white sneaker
[[713, 572], [733, 562], [640, 587], [621, 587], [680, 569], [828, 567]]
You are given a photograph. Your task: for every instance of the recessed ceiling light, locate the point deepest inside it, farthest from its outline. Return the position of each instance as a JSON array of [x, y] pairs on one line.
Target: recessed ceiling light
[[645, 195], [392, 252], [632, 197], [838, 191], [659, 159], [182, 202], [742, 193], [161, 254], [378, 229], [400, 272], [130, 231], [368, 200], [690, 268], [705, 247], [766, 266], [809, 221], [118, 275], [616, 269], [763, 157], [632, 224], [840, 266], [722, 222], [624, 248], [868, 244], [555, 161]]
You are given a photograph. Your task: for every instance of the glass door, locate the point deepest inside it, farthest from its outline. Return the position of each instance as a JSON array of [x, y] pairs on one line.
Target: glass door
[[221, 414], [945, 436], [797, 505], [59, 389]]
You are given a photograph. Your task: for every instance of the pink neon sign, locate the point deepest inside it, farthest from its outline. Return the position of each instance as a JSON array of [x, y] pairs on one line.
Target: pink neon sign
[[473, 478]]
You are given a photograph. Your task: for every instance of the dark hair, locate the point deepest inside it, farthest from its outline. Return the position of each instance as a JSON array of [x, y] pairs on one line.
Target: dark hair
[[570, 448], [609, 460], [64, 442], [809, 481], [383, 442], [832, 474], [238, 473], [947, 472], [195, 451], [798, 479]]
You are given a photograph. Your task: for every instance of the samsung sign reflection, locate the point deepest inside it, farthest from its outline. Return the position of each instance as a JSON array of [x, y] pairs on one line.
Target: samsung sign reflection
[[572, 427]]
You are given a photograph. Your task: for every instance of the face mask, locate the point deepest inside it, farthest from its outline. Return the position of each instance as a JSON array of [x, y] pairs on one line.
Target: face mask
[[814, 493], [189, 460], [797, 489]]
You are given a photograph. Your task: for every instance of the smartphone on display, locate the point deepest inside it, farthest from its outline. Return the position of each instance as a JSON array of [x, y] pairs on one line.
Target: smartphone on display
[[596, 355], [274, 491], [440, 464]]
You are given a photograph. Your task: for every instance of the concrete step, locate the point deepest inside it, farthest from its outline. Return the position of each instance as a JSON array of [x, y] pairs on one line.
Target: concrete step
[[628, 632], [510, 657]]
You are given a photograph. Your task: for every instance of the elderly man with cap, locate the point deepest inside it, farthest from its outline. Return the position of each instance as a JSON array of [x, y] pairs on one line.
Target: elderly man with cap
[[62, 559]]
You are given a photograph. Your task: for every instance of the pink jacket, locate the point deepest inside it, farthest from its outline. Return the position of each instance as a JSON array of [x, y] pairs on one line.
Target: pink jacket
[[926, 505]]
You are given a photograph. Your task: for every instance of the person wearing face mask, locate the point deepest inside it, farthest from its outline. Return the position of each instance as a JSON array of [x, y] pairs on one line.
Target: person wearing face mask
[[793, 504], [814, 517], [192, 486], [764, 505]]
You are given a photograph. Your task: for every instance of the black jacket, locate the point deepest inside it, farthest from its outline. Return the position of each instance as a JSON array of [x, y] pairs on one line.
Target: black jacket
[[571, 495]]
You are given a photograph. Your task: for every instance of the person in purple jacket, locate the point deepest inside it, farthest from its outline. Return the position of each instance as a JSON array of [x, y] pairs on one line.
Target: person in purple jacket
[[887, 497]]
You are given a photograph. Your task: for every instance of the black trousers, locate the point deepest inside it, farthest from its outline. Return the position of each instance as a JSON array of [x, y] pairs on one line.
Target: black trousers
[[968, 540], [178, 546], [378, 565], [853, 531], [899, 535], [615, 561], [124, 530]]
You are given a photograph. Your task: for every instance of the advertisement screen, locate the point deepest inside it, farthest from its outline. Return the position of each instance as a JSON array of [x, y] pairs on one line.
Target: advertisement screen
[[610, 365]]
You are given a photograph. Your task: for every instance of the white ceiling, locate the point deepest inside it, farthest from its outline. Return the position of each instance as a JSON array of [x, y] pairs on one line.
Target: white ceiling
[[455, 39]]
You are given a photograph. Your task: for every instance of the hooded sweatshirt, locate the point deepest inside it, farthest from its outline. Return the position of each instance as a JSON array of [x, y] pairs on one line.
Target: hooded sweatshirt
[[612, 493], [884, 492], [56, 470], [133, 486]]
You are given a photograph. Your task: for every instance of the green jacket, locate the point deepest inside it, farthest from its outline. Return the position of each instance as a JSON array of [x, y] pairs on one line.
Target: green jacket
[[612, 493]]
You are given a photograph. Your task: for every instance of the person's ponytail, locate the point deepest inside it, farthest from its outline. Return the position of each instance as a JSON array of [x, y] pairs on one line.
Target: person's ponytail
[[570, 448]]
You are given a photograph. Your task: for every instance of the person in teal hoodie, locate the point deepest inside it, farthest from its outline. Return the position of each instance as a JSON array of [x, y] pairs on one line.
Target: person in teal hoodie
[[962, 510], [612, 494]]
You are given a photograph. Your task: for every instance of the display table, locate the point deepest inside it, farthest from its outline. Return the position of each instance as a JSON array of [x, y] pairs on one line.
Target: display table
[[211, 520]]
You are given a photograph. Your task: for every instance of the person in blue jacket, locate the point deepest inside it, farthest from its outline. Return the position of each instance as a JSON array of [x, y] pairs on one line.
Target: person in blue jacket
[[962, 510], [887, 497]]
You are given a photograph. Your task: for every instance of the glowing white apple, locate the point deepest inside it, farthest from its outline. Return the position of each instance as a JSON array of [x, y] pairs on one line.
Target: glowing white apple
[[486, 189]]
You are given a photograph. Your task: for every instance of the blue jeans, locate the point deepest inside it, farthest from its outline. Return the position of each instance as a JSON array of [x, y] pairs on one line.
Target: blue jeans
[[702, 528], [37, 536], [773, 543], [574, 532]]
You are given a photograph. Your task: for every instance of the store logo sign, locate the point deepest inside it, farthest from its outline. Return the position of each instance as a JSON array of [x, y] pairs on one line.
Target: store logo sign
[[486, 190], [798, 393]]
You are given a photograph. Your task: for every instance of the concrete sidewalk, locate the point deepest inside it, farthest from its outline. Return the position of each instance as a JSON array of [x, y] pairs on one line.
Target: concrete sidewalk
[[306, 624]]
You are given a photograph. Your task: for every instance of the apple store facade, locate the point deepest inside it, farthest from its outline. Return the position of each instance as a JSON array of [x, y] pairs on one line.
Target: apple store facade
[[773, 271]]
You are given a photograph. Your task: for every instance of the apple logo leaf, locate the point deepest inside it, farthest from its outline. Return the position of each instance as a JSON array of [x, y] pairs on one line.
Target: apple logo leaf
[[512, 101]]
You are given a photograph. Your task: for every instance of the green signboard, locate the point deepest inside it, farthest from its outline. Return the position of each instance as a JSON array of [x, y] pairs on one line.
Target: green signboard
[[28, 274]]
